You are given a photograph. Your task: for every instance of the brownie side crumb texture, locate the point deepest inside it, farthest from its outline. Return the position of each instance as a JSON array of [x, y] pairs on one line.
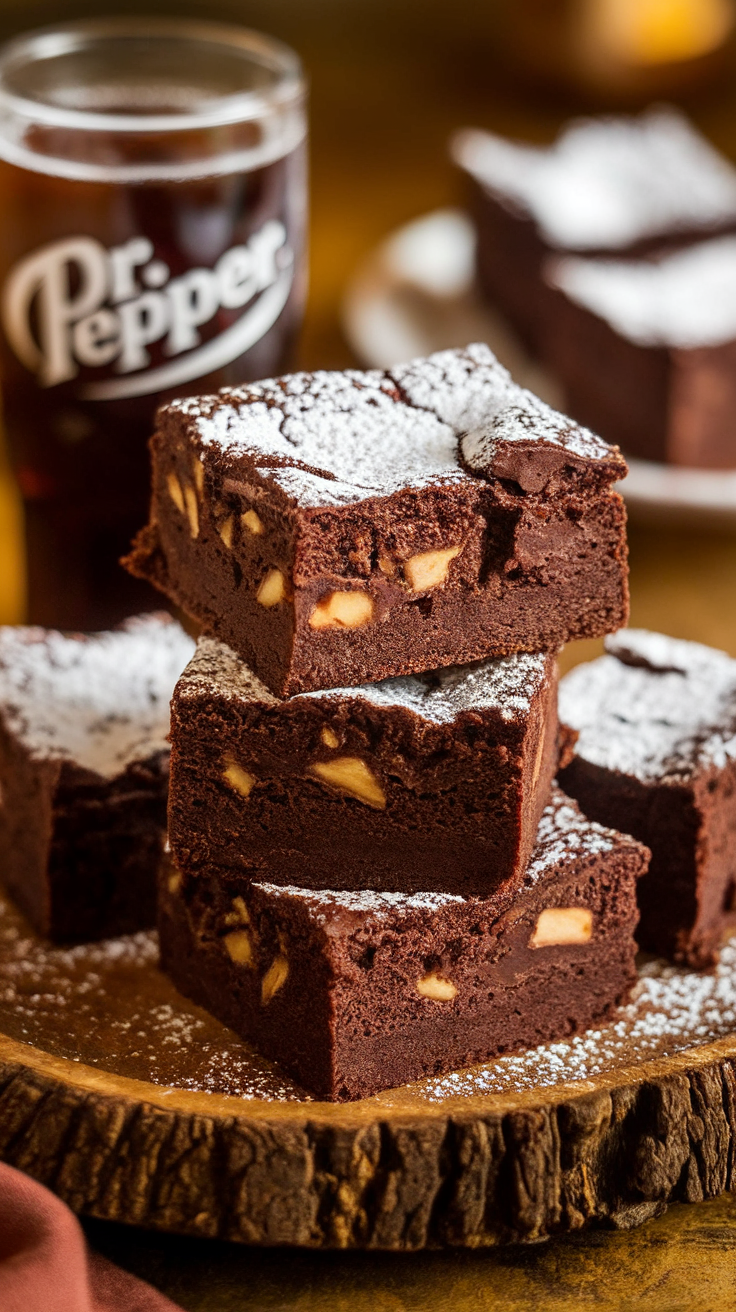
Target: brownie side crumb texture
[[355, 992], [84, 758], [656, 757], [435, 781], [336, 529]]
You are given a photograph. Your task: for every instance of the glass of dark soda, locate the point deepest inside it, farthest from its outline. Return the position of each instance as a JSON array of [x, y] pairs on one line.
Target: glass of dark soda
[[152, 244]]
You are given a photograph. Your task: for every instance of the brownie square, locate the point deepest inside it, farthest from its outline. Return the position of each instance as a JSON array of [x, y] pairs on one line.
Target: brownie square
[[353, 992], [84, 759], [656, 757], [339, 528], [433, 781], [646, 350], [606, 186]]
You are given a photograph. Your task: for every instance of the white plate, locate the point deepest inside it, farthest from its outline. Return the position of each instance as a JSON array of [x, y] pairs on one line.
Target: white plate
[[415, 294]]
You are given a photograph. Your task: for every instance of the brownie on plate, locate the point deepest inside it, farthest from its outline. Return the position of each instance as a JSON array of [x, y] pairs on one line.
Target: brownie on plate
[[359, 991], [646, 350], [606, 186], [433, 781], [84, 760], [339, 528], [656, 757]]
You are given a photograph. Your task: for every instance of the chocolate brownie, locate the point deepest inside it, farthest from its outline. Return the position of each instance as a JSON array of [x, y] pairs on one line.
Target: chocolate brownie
[[656, 757], [353, 992], [646, 350], [432, 781], [84, 772], [339, 528], [606, 186]]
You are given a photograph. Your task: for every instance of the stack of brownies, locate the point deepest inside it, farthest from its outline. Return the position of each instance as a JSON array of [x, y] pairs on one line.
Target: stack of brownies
[[372, 874]]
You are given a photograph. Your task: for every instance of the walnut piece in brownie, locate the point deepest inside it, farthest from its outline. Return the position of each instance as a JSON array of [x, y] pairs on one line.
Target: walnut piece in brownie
[[339, 528], [433, 781], [84, 758], [646, 350], [656, 757], [606, 186], [353, 992]]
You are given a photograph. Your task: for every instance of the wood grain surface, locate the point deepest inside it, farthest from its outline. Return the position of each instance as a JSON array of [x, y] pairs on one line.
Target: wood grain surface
[[136, 1105], [504, 1168], [389, 82]]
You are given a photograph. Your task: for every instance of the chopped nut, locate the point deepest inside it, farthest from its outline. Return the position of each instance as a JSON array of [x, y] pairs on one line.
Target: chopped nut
[[272, 589], [435, 987], [330, 738], [342, 610], [387, 566], [174, 883], [190, 501], [242, 910], [175, 492], [429, 568], [239, 947], [226, 532], [273, 979], [239, 914], [351, 775], [237, 777], [558, 925], [198, 471], [252, 522]]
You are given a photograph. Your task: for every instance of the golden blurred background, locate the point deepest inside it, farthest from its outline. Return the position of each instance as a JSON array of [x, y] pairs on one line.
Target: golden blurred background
[[390, 80]]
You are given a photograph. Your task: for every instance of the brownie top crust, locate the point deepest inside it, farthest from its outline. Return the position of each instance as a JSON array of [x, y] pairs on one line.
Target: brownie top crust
[[334, 439], [686, 299], [564, 834], [656, 708], [507, 685], [100, 701], [607, 183]]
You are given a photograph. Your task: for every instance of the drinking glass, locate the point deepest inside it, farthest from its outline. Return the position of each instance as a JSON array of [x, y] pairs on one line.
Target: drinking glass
[[152, 245]]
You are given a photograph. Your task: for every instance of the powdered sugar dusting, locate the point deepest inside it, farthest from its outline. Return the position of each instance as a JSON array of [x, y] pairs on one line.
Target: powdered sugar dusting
[[659, 652], [215, 670], [672, 1009], [656, 708], [328, 439], [100, 701], [462, 388], [349, 428], [458, 386], [565, 833], [322, 903], [609, 182], [528, 422], [507, 685], [129, 1019], [564, 836], [108, 1005], [683, 300]]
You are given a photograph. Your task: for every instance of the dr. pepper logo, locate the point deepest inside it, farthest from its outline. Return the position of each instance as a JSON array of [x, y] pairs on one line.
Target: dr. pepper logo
[[74, 303]]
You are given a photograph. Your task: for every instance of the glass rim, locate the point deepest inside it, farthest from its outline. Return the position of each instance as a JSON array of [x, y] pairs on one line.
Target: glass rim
[[234, 107]]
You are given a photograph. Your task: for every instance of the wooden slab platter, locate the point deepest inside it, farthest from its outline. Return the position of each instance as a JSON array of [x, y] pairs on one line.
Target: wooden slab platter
[[136, 1106]]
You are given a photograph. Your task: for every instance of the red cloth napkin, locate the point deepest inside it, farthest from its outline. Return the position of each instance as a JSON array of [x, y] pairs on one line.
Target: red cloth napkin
[[46, 1266]]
